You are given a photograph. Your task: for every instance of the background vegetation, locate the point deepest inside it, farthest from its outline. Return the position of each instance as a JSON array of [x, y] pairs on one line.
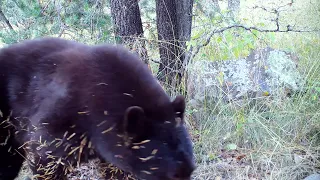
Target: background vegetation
[[229, 143]]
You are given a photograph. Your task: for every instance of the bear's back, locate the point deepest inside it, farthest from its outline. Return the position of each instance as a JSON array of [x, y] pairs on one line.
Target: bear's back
[[113, 71]]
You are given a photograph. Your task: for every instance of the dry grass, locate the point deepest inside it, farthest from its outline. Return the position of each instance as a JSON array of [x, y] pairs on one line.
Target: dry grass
[[93, 170], [279, 141], [282, 142]]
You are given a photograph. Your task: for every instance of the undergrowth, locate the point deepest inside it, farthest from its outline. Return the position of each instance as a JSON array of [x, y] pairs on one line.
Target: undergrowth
[[277, 138]]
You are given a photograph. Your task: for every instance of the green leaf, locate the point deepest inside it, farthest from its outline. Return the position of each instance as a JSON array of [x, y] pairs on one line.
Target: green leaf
[[219, 39], [272, 36], [229, 37], [250, 45], [212, 156], [232, 146]]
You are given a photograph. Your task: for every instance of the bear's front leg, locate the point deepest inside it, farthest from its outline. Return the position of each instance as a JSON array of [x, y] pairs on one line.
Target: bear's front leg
[[114, 173], [51, 157], [45, 164]]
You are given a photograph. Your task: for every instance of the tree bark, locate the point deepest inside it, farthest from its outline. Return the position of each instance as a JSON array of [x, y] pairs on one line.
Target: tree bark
[[174, 20], [184, 16], [128, 25]]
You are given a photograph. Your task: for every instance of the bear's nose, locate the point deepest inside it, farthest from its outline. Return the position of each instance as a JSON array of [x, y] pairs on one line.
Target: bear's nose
[[184, 170]]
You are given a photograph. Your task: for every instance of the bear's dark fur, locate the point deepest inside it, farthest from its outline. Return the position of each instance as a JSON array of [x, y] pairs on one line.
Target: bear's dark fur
[[64, 102]]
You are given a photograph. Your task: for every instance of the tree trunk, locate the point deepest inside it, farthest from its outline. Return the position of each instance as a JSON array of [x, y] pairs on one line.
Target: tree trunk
[[184, 16], [174, 19], [128, 25]]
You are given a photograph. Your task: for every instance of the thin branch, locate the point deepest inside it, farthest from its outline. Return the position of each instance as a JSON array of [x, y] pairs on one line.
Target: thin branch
[[207, 41], [156, 61], [5, 20], [63, 28], [43, 8]]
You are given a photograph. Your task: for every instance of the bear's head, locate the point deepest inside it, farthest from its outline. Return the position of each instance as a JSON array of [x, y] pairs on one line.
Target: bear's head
[[150, 145]]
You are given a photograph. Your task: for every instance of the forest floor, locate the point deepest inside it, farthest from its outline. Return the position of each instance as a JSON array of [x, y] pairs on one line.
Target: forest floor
[[282, 143], [225, 167]]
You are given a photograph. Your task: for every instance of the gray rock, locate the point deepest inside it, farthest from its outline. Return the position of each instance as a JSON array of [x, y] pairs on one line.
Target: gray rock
[[264, 72], [313, 177]]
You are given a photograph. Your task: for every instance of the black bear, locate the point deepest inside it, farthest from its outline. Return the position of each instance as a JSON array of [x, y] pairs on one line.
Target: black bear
[[63, 102]]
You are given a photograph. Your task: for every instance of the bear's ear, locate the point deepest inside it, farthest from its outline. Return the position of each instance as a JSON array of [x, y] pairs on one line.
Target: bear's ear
[[134, 120], [179, 106]]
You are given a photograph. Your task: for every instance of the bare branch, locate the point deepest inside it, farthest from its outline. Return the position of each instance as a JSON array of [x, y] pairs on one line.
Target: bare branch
[[5, 19], [207, 41]]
